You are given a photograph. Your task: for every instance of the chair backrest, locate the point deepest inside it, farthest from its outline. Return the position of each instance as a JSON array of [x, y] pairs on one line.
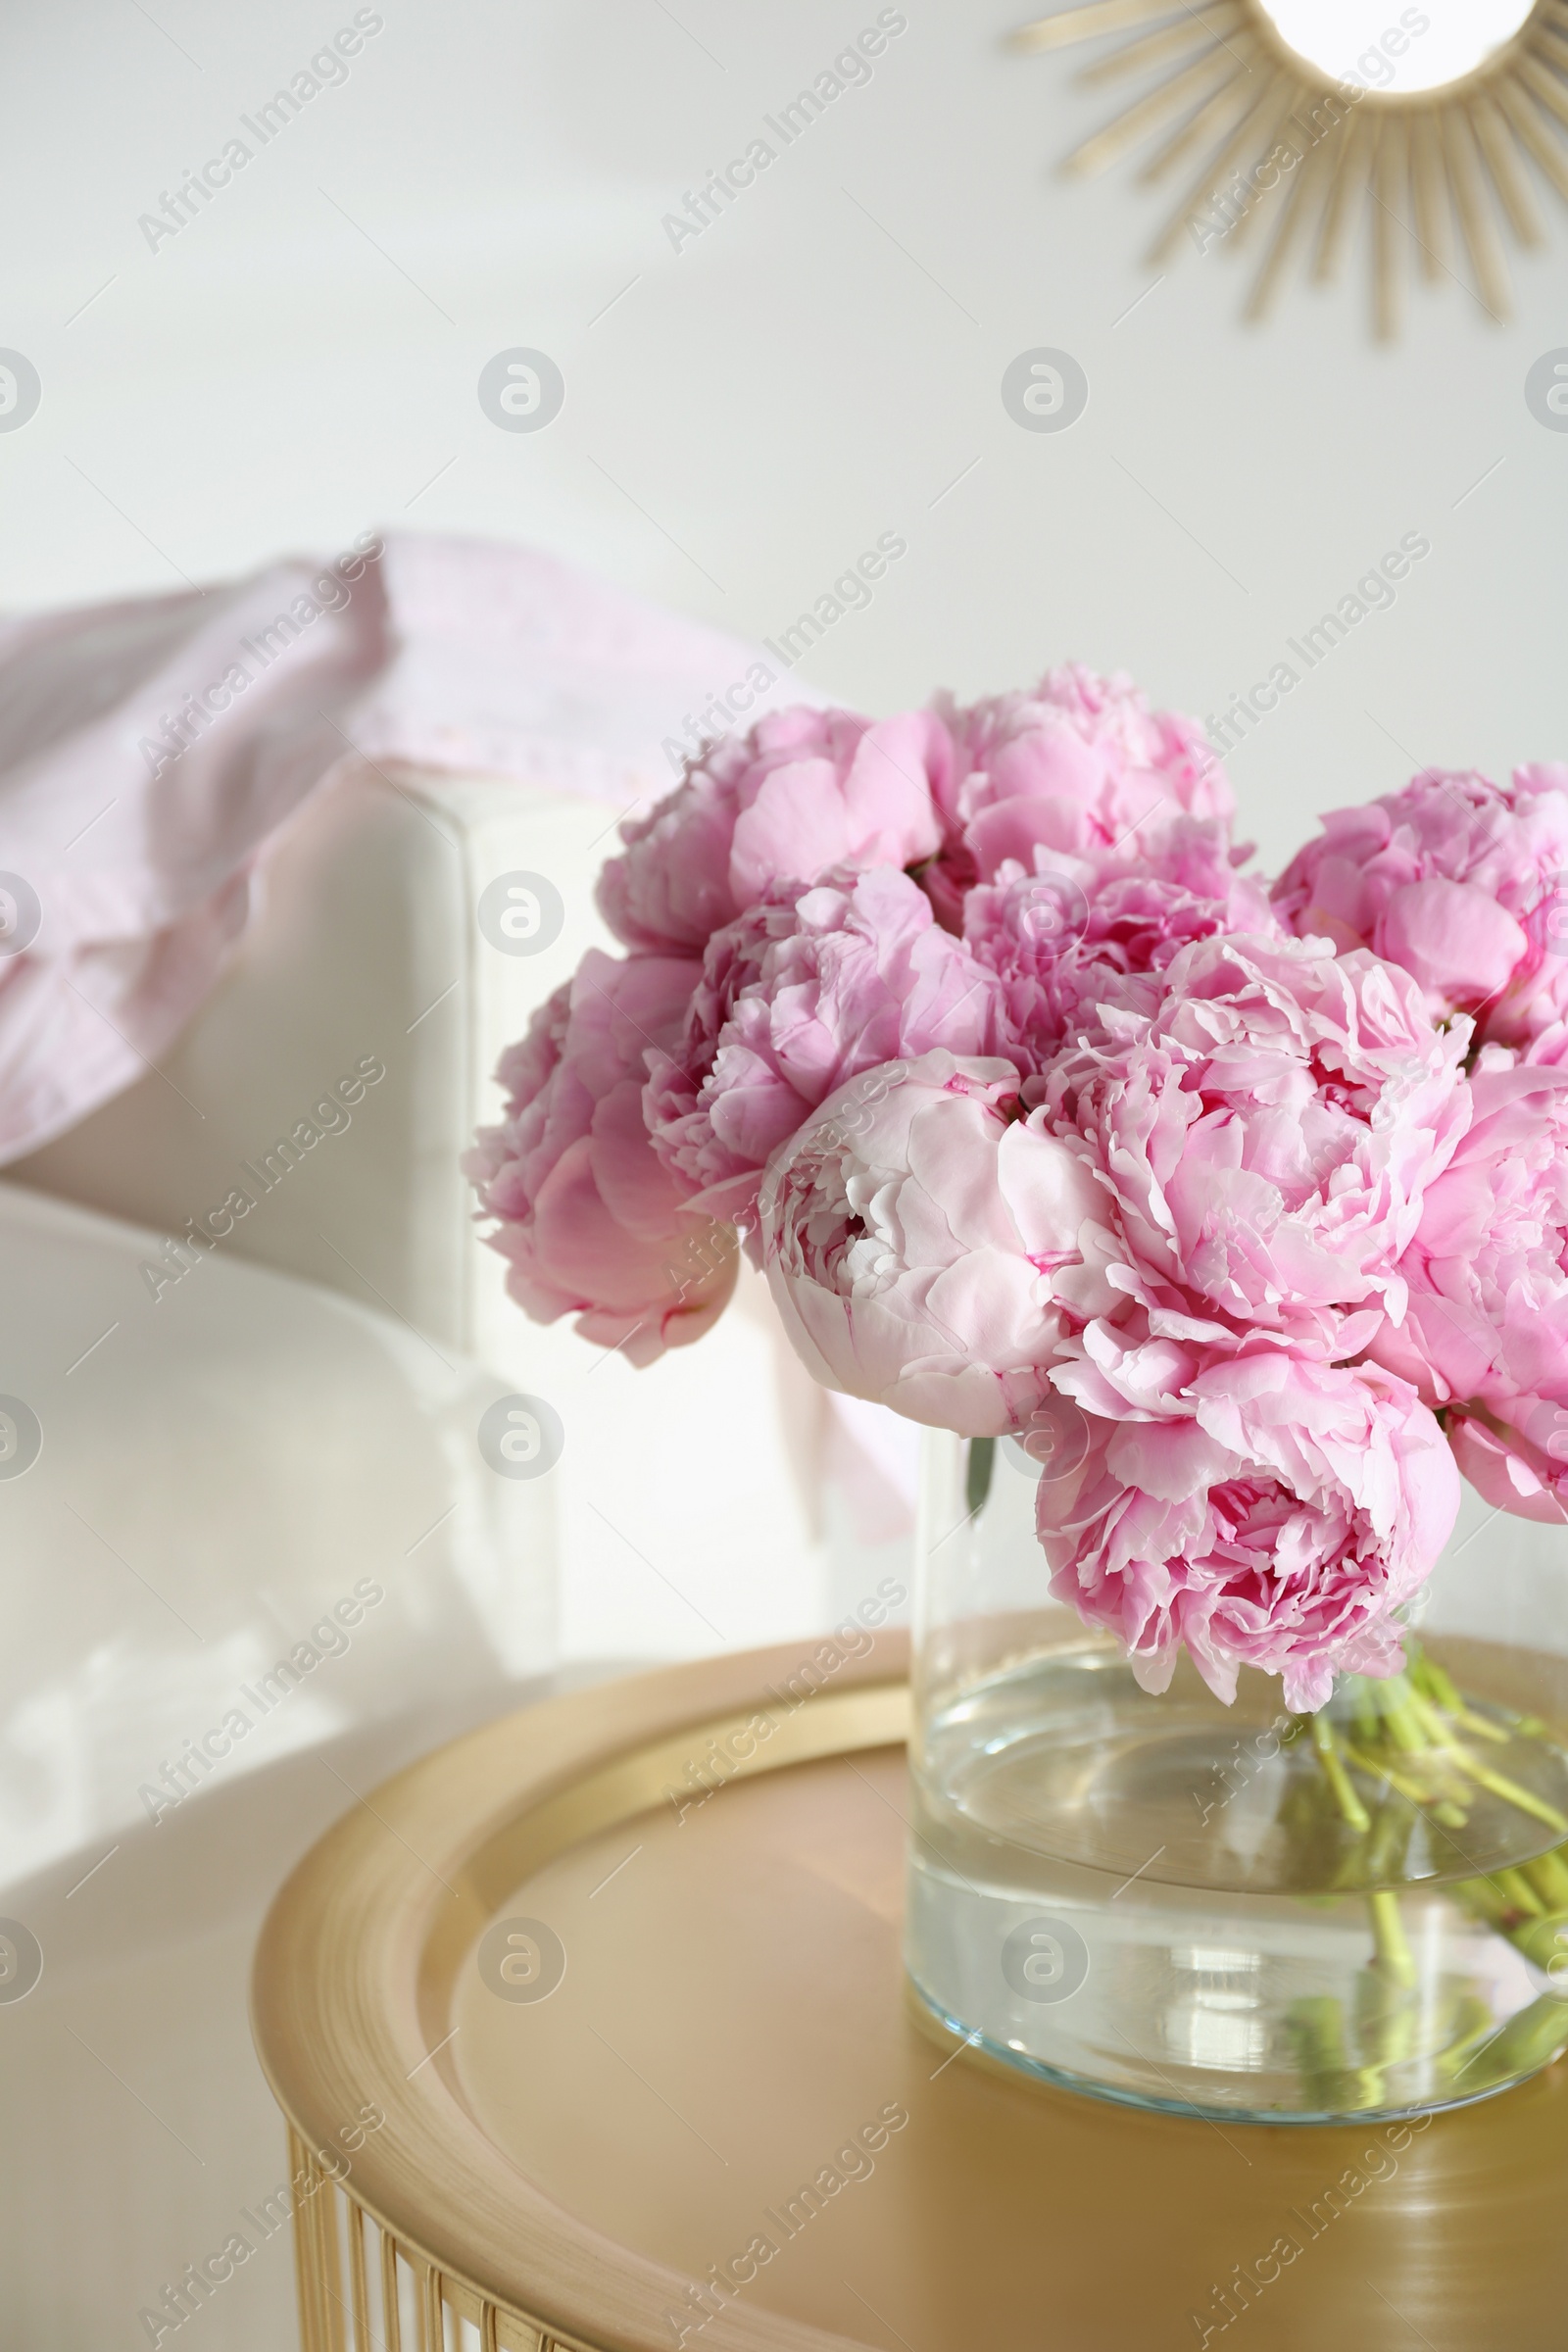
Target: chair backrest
[[691, 1494]]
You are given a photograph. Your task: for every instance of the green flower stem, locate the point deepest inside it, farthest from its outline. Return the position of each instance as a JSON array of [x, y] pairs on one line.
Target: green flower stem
[[1419, 1792], [1388, 2020], [1434, 1682], [1400, 1720], [1548, 1874], [1473, 2026], [1338, 1780], [978, 1476], [1541, 1940], [1530, 2039], [1450, 1763], [1499, 1786], [1368, 1722], [1525, 1906], [1331, 2079], [1512, 1793], [1434, 1725], [1393, 1954], [1416, 1740], [1517, 1893], [1383, 1857], [1318, 2020]]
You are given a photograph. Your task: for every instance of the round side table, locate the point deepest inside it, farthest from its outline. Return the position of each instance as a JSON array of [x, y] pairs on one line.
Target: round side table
[[591, 2035]]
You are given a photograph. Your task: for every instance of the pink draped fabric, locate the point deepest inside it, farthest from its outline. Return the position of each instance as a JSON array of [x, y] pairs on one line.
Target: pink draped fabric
[[149, 748]]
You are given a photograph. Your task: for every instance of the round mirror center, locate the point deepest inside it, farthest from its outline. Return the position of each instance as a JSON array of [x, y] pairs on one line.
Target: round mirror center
[[1380, 45]]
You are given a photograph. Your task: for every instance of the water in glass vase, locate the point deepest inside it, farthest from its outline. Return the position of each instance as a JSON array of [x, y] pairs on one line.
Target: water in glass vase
[[1166, 1900]]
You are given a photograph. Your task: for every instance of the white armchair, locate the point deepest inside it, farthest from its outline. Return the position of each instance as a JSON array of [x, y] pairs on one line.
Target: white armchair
[[687, 1493]]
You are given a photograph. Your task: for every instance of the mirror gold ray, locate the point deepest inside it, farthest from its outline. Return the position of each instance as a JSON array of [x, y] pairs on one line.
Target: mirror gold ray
[[1283, 127]]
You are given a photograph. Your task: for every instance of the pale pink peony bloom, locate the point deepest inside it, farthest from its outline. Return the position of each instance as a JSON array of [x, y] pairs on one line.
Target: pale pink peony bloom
[[805, 990], [1276, 1517], [804, 792], [1486, 1333], [1264, 1140], [1080, 766], [591, 1222], [914, 1234], [1464, 884], [1074, 932], [1512, 1471]]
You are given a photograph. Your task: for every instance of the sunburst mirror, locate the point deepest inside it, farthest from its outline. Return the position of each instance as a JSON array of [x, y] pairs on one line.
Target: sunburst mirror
[[1285, 122]]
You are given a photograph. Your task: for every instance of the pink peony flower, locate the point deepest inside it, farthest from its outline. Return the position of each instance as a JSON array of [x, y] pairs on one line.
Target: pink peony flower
[[913, 1236], [805, 990], [1263, 1142], [1275, 1516], [805, 792], [1080, 766], [1464, 884], [1068, 936], [1486, 1333], [591, 1222], [1512, 1471]]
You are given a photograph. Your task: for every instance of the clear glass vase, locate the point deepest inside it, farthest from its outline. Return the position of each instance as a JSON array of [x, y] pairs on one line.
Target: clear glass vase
[[1236, 1910]]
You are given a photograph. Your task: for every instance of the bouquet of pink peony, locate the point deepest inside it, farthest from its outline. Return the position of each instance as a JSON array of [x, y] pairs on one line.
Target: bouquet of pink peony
[[1244, 1208]]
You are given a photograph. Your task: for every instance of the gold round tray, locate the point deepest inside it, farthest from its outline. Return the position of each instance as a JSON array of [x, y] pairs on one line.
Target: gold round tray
[[590, 2031]]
